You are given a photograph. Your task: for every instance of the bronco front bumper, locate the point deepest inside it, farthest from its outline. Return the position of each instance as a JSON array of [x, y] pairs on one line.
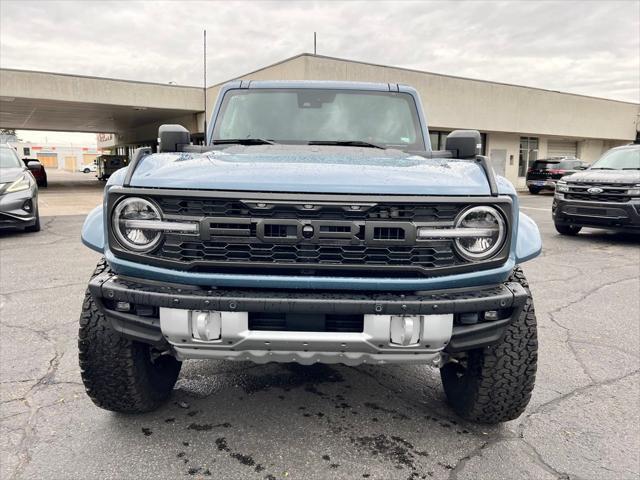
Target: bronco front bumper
[[307, 327]]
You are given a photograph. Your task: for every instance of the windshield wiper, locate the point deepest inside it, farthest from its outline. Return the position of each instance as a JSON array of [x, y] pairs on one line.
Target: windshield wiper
[[601, 168], [630, 168], [346, 143], [244, 141]]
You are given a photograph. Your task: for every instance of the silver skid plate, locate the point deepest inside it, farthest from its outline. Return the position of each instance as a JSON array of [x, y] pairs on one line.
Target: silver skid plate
[[384, 339]]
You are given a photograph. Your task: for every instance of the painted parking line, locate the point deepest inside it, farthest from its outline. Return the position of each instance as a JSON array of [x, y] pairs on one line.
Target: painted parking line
[[535, 208]]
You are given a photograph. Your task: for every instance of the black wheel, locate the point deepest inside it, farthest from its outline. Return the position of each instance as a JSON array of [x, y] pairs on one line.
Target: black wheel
[[35, 227], [534, 190], [119, 374], [494, 384], [567, 229], [86, 170]]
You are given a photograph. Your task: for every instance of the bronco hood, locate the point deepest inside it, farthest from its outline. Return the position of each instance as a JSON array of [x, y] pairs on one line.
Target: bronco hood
[[311, 169]]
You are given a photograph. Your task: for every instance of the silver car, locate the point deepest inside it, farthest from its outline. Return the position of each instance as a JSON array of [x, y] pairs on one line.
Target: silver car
[[18, 193]]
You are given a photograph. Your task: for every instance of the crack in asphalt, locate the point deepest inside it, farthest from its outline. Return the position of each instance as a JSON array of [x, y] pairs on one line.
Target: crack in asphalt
[[29, 430], [39, 289], [537, 457], [568, 339], [542, 408]]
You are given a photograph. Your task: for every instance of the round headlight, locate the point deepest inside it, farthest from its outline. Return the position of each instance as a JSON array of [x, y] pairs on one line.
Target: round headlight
[[130, 217], [486, 232]]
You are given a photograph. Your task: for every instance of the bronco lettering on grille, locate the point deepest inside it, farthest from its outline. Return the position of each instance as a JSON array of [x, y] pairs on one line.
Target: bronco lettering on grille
[[269, 230]]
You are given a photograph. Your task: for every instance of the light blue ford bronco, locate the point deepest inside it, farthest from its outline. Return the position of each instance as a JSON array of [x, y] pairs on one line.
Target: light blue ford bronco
[[316, 225]]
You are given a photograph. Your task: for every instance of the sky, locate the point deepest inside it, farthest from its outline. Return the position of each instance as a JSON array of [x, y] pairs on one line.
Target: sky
[[584, 47]]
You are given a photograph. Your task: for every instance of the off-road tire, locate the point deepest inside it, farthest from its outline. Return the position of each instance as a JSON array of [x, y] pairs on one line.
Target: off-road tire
[[494, 384], [118, 373], [534, 190], [571, 230]]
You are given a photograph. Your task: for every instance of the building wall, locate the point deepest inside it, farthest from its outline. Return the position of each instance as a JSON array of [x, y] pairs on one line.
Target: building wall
[[94, 90]]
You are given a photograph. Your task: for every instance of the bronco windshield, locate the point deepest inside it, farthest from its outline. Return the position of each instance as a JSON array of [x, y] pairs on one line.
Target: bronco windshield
[[299, 116]]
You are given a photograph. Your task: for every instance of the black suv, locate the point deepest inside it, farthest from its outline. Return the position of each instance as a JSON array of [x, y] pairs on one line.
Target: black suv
[[544, 173], [607, 195]]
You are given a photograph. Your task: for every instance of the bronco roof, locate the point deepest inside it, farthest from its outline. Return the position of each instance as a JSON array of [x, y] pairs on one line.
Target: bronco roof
[[321, 84]]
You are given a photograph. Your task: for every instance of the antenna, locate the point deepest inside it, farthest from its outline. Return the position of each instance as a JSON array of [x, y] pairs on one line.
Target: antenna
[[204, 84], [314, 44]]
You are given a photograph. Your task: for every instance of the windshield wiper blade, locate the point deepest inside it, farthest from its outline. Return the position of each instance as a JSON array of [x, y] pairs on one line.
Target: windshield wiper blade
[[347, 143], [244, 141], [601, 168], [630, 168]]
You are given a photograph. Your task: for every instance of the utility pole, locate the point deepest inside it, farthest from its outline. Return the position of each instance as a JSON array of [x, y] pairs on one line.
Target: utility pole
[[204, 84], [315, 51]]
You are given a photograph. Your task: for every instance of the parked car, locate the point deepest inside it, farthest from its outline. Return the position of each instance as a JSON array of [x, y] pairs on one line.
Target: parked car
[[607, 195], [544, 173], [320, 228], [91, 167], [108, 164], [18, 193], [37, 170]]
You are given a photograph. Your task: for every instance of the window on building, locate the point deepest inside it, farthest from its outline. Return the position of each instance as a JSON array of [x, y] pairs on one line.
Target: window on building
[[434, 138], [528, 154], [26, 151]]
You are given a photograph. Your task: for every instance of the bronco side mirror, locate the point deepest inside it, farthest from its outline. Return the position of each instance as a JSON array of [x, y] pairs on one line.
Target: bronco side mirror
[[464, 143], [172, 137]]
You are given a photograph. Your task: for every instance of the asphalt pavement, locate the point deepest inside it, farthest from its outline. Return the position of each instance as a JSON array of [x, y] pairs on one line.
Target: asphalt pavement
[[284, 421]]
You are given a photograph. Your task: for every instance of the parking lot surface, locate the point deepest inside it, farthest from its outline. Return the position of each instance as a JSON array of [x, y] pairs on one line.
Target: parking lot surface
[[240, 420]]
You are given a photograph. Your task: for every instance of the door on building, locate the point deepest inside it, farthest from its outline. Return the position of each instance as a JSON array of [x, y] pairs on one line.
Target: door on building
[[562, 148], [70, 163], [499, 161], [528, 154], [49, 160]]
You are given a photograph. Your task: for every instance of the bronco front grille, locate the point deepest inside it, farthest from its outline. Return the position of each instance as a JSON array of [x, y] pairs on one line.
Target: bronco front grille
[[305, 235], [435, 255]]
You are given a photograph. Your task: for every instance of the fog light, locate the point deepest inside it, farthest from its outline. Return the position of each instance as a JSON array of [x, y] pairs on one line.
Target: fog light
[[27, 206], [206, 325], [405, 330], [123, 306], [491, 315]]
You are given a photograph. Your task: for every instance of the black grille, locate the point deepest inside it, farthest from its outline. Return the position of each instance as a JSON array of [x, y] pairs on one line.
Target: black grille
[[616, 193], [435, 255], [305, 322], [236, 208], [603, 197]]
